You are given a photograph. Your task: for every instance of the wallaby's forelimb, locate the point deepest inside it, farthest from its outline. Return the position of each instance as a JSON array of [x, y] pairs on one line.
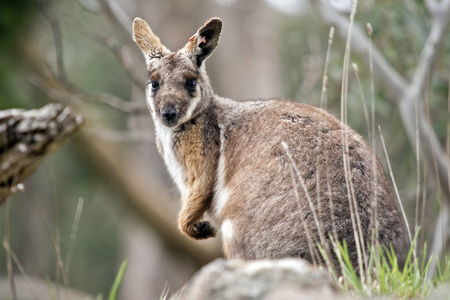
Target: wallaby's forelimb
[[190, 218]]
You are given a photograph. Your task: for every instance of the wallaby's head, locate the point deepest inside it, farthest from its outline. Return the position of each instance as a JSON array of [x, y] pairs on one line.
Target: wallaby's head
[[178, 87]]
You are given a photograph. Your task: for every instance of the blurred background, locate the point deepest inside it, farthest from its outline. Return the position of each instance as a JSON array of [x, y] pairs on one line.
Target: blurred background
[[80, 53]]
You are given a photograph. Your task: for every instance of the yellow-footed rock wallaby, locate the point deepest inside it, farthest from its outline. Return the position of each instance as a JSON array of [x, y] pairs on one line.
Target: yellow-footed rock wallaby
[[273, 177]]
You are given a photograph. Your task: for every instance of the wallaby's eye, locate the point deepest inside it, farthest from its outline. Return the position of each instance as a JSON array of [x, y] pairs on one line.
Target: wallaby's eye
[[191, 85], [154, 84]]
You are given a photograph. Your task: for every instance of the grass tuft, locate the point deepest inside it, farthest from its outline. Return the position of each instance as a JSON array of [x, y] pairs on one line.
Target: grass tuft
[[384, 275]]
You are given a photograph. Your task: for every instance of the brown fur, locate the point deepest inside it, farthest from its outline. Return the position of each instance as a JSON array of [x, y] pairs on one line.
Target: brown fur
[[228, 161]]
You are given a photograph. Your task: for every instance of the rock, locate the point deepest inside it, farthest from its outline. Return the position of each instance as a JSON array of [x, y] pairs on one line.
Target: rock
[[440, 293], [262, 279]]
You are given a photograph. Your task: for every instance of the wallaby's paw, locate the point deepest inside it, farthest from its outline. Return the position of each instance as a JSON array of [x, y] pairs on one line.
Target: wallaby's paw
[[201, 230]]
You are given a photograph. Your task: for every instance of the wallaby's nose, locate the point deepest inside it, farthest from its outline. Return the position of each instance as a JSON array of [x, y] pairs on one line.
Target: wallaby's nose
[[169, 115]]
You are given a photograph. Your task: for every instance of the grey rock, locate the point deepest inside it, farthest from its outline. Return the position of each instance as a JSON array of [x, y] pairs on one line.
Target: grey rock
[[441, 293], [263, 279]]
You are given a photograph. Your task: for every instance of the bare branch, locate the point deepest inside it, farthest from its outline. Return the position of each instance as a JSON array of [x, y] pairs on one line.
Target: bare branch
[[122, 53], [118, 17], [59, 92]]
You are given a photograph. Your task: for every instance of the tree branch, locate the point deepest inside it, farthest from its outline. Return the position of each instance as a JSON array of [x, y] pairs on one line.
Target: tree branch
[[431, 6], [57, 37], [398, 90], [117, 16], [26, 137], [60, 92]]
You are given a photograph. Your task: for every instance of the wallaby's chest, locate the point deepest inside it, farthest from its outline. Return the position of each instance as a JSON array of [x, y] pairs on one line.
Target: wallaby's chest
[[190, 152], [165, 142]]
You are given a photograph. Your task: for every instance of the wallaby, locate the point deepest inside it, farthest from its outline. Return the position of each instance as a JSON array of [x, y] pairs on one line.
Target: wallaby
[[268, 175]]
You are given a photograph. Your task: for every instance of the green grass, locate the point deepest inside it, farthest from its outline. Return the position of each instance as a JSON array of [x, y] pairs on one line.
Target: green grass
[[117, 282], [384, 276]]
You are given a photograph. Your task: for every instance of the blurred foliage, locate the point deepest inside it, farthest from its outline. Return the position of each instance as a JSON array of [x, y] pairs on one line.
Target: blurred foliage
[[14, 18], [53, 191]]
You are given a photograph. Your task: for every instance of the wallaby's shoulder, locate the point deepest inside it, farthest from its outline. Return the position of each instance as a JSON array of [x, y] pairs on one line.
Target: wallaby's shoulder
[[270, 112]]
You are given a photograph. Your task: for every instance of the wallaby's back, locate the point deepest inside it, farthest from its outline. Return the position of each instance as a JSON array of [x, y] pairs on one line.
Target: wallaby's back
[[262, 202]]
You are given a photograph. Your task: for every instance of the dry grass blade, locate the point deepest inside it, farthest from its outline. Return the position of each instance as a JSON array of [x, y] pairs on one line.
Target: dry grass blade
[[323, 94], [60, 270], [417, 168], [363, 100], [9, 265], [355, 218], [73, 235], [311, 241], [21, 268], [373, 144], [448, 133], [396, 189], [424, 197]]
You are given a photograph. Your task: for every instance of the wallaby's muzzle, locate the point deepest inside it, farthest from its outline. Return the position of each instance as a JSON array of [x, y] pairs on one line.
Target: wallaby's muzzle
[[169, 115]]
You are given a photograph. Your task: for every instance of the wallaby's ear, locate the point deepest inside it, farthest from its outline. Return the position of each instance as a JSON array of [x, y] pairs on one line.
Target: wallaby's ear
[[147, 41], [204, 42]]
